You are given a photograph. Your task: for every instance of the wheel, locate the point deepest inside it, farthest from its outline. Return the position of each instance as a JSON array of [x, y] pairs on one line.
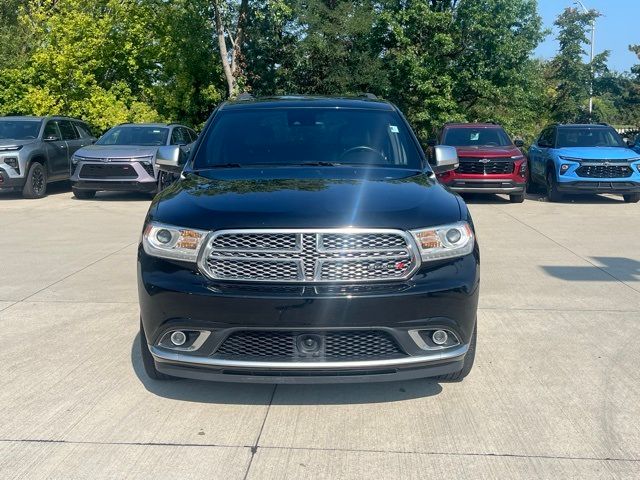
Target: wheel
[[631, 198], [83, 194], [36, 184], [468, 361], [552, 188], [148, 362], [517, 198]]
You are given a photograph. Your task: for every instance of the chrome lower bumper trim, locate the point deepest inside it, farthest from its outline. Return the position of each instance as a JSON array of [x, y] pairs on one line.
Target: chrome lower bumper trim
[[162, 355]]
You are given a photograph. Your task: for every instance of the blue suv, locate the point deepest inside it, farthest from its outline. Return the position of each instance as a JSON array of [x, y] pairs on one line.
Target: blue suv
[[590, 158]]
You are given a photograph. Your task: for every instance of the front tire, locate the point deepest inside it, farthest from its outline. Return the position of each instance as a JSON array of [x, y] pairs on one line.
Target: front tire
[[83, 194], [517, 198], [148, 362], [36, 182], [631, 198], [469, 359], [552, 188]]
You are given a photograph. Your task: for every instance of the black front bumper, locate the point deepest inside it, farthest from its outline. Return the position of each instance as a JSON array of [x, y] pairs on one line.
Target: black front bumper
[[9, 183], [174, 296], [615, 187], [116, 186], [493, 186]]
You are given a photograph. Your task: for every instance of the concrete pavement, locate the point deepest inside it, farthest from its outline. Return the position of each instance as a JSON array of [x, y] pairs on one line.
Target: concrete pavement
[[554, 393]]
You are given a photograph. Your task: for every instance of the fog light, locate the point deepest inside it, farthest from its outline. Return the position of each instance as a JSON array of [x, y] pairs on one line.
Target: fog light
[[564, 168], [164, 236], [12, 162], [439, 337], [178, 338]]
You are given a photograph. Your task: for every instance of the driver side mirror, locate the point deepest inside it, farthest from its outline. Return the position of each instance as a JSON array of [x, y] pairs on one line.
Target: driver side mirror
[[518, 143], [445, 159], [170, 159]]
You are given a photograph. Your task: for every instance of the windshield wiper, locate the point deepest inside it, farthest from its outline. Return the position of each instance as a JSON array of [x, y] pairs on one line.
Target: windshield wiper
[[316, 164]]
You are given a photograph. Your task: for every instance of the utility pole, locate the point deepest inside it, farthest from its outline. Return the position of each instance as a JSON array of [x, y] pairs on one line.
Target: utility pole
[[593, 35]]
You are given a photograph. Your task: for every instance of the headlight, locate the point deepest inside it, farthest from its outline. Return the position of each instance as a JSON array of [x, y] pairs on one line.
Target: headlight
[[570, 159], [447, 241], [175, 243], [77, 158]]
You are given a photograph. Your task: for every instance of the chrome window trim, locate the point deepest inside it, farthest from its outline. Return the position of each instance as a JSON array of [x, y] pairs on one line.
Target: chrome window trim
[[167, 356], [207, 250]]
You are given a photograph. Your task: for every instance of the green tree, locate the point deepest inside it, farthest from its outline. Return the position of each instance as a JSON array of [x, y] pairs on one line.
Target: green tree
[[569, 74]]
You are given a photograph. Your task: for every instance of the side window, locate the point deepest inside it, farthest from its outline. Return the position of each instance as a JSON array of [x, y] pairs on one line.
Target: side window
[[546, 138], [67, 130], [83, 130], [51, 131], [179, 137], [192, 134]]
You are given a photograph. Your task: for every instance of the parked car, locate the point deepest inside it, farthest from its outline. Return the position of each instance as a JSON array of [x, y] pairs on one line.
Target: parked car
[[490, 162], [35, 151], [584, 158], [124, 158], [308, 240]]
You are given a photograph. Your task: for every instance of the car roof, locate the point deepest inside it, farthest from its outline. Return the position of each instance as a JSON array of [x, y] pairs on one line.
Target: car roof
[[472, 125], [583, 125], [26, 118], [153, 125], [304, 101]]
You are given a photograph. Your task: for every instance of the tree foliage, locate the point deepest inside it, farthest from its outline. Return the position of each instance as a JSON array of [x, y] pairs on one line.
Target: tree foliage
[[110, 61]]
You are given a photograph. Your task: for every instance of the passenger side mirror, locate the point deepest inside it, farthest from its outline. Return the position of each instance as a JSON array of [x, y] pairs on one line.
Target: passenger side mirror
[[518, 143], [631, 143], [170, 159], [446, 159]]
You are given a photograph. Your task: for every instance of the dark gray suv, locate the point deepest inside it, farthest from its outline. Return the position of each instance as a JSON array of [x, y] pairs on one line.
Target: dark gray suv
[[35, 151]]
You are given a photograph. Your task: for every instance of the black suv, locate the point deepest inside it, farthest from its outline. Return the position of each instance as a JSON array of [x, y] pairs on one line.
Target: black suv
[[308, 240]]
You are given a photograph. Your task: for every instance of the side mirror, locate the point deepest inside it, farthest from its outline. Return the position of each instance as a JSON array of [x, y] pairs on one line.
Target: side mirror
[[51, 138], [170, 159], [631, 143], [518, 143], [446, 159]]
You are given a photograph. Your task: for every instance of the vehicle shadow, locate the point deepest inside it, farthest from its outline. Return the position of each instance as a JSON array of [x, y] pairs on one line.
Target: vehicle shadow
[[261, 394], [52, 189], [617, 268]]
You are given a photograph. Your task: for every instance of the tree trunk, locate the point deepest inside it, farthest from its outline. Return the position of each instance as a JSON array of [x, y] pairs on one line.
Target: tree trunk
[[231, 63]]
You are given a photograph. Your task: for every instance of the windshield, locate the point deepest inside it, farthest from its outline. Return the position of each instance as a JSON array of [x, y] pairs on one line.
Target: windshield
[[135, 135], [476, 137], [588, 137], [19, 130], [295, 136]]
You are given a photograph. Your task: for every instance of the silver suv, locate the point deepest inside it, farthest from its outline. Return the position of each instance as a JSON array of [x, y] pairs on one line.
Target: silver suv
[[35, 151], [124, 158]]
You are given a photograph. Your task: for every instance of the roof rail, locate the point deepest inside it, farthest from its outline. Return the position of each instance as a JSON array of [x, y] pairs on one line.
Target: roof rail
[[370, 96], [243, 97]]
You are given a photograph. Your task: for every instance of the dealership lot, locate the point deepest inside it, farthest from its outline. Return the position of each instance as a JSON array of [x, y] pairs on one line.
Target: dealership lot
[[554, 393]]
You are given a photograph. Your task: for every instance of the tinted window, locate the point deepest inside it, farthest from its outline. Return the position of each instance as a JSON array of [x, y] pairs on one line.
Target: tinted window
[[51, 130], [192, 134], [19, 130], [180, 136], [546, 138], [472, 137], [83, 129], [588, 137], [135, 135], [67, 130], [305, 135]]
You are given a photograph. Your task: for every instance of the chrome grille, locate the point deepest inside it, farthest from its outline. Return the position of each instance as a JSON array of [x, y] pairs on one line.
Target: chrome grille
[[329, 256]]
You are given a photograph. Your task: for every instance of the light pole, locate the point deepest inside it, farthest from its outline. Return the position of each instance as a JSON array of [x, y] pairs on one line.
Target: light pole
[[593, 34]]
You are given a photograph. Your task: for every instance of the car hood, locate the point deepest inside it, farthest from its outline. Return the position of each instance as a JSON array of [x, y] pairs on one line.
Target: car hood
[[10, 142], [306, 197], [116, 151], [598, 153], [489, 152]]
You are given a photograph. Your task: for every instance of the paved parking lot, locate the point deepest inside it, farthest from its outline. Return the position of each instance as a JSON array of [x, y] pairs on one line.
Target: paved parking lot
[[555, 392]]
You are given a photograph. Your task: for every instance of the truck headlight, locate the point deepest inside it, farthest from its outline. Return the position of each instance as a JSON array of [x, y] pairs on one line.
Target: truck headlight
[[446, 241], [171, 242]]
